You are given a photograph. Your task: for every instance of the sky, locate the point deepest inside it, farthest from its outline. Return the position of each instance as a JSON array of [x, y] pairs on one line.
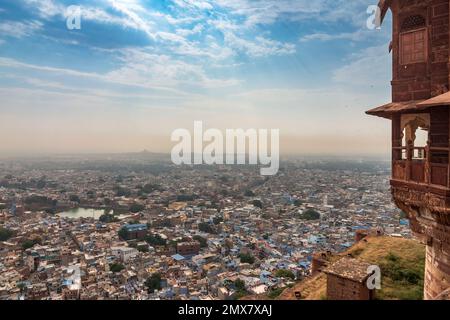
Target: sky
[[137, 70]]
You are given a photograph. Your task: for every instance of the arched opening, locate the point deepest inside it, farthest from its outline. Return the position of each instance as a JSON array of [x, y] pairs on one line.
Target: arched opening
[[415, 139], [415, 129], [419, 144]]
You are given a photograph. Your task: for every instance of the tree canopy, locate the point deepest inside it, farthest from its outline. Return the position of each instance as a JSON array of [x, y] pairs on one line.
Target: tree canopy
[[153, 282], [155, 240], [116, 267], [309, 214], [203, 242], [247, 258], [257, 203], [5, 234], [249, 193], [285, 274], [205, 227], [136, 207], [108, 218]]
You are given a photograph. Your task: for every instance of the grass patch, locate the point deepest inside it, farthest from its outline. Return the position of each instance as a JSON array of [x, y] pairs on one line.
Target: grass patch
[[402, 264], [403, 278], [275, 293], [356, 253]]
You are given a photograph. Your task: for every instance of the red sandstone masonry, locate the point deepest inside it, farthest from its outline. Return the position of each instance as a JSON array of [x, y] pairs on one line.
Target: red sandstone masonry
[[422, 188]]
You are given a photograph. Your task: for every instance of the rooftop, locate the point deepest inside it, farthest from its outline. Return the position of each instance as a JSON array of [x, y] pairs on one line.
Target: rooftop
[[349, 268], [135, 227]]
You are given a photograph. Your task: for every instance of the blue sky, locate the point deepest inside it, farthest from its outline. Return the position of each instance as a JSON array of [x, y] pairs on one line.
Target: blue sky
[[137, 70]]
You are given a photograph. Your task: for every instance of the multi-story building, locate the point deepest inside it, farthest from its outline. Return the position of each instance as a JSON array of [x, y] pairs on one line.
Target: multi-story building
[[135, 231], [188, 248]]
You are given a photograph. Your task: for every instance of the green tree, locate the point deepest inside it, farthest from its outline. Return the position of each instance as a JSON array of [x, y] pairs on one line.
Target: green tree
[[298, 203], [116, 267], [285, 274], [136, 207], [205, 227], [249, 193], [257, 203], [239, 284], [108, 218], [241, 291], [123, 233], [203, 242], [143, 249], [247, 258], [217, 220], [155, 240], [275, 293], [150, 187], [185, 197], [153, 282], [30, 243], [309, 214], [5, 234], [21, 286], [74, 198], [122, 192]]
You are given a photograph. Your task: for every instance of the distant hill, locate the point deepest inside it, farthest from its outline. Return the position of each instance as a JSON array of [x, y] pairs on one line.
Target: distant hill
[[402, 263]]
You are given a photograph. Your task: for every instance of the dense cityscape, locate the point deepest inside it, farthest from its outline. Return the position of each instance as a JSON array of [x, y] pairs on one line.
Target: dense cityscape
[[120, 228]]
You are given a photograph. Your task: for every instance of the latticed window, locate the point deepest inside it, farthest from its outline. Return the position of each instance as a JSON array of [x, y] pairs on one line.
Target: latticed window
[[413, 22]]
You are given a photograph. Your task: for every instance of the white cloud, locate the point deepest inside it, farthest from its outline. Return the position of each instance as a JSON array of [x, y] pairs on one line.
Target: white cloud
[[371, 67], [268, 11], [199, 4], [133, 10], [357, 35], [146, 68], [141, 69], [174, 37], [188, 32], [11, 63], [129, 9], [176, 20], [45, 8], [259, 47], [19, 29]]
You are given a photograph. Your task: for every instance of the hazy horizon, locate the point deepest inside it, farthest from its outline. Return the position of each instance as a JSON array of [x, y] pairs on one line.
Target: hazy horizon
[[106, 155]]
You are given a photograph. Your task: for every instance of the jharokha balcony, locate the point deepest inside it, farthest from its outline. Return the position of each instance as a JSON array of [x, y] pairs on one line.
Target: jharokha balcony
[[420, 153]]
